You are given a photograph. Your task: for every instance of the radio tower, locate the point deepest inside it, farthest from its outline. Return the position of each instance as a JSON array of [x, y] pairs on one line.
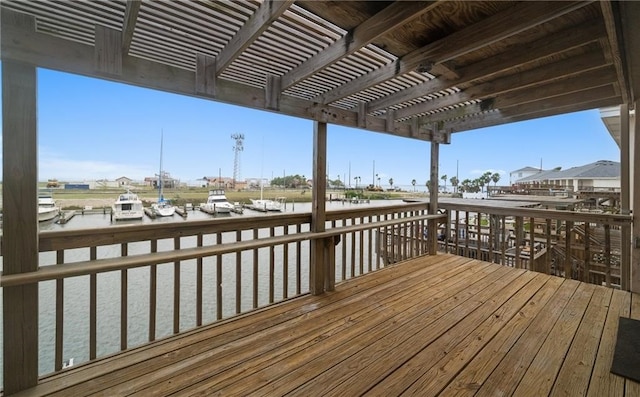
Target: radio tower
[[237, 148]]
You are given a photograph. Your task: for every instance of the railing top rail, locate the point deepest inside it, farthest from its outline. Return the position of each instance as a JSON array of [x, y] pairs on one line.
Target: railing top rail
[[378, 210], [542, 213], [118, 234], [128, 262]]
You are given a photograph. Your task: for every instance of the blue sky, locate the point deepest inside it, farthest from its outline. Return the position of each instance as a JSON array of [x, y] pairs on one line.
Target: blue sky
[[93, 129]]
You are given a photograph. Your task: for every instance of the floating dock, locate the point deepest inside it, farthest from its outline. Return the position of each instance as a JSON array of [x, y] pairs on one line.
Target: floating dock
[[65, 216], [149, 212]]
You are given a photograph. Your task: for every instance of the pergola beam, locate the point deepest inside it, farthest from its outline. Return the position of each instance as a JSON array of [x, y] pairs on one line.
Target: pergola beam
[[260, 21], [472, 38], [613, 34], [129, 24], [521, 83], [486, 68], [394, 15], [573, 102]]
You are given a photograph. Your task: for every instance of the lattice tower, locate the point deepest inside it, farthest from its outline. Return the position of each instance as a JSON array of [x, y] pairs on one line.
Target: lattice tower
[[237, 148]]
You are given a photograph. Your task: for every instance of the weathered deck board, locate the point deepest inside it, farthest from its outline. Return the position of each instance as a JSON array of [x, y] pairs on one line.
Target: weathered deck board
[[442, 325]]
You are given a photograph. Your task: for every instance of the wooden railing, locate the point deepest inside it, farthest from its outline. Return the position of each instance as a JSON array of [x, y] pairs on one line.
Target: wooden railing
[[584, 246], [110, 289]]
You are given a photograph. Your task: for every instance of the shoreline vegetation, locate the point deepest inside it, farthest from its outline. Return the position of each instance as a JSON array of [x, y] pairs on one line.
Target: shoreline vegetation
[[79, 199]]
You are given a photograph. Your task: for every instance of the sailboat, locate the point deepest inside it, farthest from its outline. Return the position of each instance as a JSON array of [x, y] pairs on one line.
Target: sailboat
[[265, 204], [162, 207]]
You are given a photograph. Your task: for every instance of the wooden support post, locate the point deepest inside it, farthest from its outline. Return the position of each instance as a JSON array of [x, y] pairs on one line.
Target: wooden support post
[[635, 186], [317, 268], [206, 80], [108, 51], [625, 198], [273, 92], [433, 197], [20, 224]]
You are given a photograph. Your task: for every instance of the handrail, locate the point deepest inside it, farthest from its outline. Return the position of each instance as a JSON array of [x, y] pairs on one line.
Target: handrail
[[541, 213], [110, 264]]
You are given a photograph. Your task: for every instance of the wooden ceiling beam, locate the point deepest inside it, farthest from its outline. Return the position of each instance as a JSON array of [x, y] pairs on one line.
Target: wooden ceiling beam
[[543, 48], [572, 102], [529, 81], [474, 37], [613, 47], [393, 16], [260, 21], [129, 24]]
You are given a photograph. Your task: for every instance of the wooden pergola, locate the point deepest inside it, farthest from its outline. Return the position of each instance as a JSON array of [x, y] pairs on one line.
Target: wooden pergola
[[419, 70]]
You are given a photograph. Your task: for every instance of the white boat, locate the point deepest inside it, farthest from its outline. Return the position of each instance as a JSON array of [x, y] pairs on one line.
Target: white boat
[[217, 203], [266, 204], [162, 207], [47, 208], [127, 206]]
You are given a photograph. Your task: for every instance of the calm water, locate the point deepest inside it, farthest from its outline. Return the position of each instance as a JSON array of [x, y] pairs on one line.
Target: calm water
[[76, 290]]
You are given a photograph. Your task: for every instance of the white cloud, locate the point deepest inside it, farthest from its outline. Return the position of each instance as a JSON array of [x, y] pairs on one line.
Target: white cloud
[[491, 170]]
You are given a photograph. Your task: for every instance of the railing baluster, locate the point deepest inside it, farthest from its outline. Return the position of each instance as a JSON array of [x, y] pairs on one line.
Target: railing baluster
[[478, 236], [607, 253], [587, 253], [370, 246], [238, 274], [176, 288], [255, 271], [532, 242], [411, 227], [124, 249], [153, 293], [271, 267], [285, 263], [299, 261], [219, 279], [394, 228], [491, 238], [93, 306], [568, 265], [199, 282], [447, 233], [519, 231], [457, 233], [548, 256], [59, 314], [466, 234], [503, 243]]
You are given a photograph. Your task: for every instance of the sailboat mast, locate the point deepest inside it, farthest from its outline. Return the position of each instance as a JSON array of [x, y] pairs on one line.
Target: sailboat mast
[[160, 171]]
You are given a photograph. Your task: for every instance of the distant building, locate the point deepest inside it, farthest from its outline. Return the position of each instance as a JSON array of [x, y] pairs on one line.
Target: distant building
[[124, 181], [523, 173], [600, 175]]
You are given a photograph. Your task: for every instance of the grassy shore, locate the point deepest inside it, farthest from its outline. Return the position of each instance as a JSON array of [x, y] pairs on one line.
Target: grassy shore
[[70, 199]]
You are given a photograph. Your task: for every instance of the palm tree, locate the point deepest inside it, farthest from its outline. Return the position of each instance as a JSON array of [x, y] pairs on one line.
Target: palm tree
[[454, 182], [495, 178], [391, 183], [413, 182], [444, 178]]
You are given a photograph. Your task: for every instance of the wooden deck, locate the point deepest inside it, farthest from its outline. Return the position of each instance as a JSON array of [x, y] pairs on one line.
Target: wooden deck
[[442, 325]]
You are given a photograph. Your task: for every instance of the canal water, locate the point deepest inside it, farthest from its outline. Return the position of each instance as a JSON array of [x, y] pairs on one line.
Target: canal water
[[76, 290]]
